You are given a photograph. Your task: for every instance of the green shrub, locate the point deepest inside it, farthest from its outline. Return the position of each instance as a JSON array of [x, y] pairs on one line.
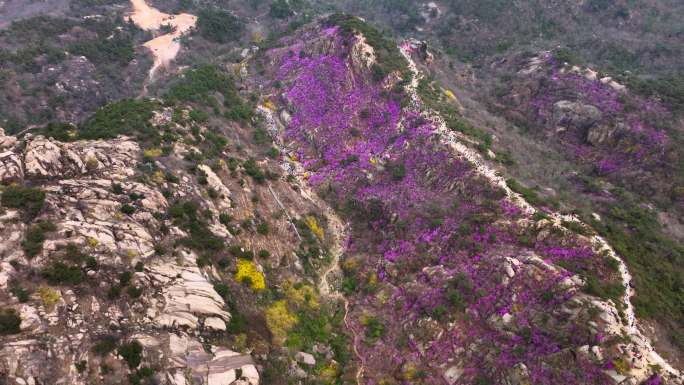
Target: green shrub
[[64, 132], [134, 292], [141, 376], [199, 116], [139, 267], [22, 294], [225, 219], [374, 329], [91, 263], [280, 9], [529, 195], [114, 292], [29, 200], [125, 117], [263, 228], [238, 323], [654, 259], [117, 49], [273, 152], [198, 84], [240, 112], [219, 26], [221, 289], [594, 286], [117, 189], [200, 238], [565, 55], [576, 227], [35, 236], [59, 273], [127, 209], [253, 170], [131, 353], [398, 171], [668, 88], [105, 345], [9, 322], [125, 278], [349, 285], [456, 299], [81, 366], [261, 136]]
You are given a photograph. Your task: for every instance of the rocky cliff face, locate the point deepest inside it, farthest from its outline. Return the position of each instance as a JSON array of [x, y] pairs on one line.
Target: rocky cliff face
[[85, 185], [104, 279]]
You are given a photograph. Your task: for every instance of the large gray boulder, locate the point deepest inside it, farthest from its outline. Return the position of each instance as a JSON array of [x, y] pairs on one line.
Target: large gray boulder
[[575, 115]]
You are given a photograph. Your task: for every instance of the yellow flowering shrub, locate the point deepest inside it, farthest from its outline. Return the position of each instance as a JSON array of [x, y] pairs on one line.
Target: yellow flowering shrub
[[280, 320], [410, 371], [621, 366], [328, 373], [152, 153], [48, 296], [313, 225], [449, 94], [679, 191], [246, 270], [301, 295], [92, 163], [93, 242], [158, 177], [372, 279], [269, 104]]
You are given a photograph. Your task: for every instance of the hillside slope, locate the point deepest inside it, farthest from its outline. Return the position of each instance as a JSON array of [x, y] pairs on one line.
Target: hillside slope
[[322, 204]]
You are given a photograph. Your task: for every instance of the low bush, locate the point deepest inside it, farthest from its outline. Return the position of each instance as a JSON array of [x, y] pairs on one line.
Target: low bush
[[263, 228], [9, 322], [374, 329], [131, 353], [134, 291], [253, 170], [185, 215], [529, 195], [105, 345], [125, 117], [219, 26], [247, 273], [111, 49], [29, 200], [127, 209], [280, 9], [35, 236], [654, 260], [22, 294], [141, 376], [58, 273]]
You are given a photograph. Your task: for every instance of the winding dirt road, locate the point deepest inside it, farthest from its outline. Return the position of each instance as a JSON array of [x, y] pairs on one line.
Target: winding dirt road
[[165, 47]]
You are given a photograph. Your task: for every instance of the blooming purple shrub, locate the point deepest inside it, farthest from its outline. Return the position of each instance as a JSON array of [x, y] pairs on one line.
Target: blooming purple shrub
[[433, 242], [636, 142]]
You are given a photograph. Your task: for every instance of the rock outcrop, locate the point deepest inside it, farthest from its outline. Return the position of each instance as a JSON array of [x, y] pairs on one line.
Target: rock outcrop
[[86, 184], [574, 114]]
